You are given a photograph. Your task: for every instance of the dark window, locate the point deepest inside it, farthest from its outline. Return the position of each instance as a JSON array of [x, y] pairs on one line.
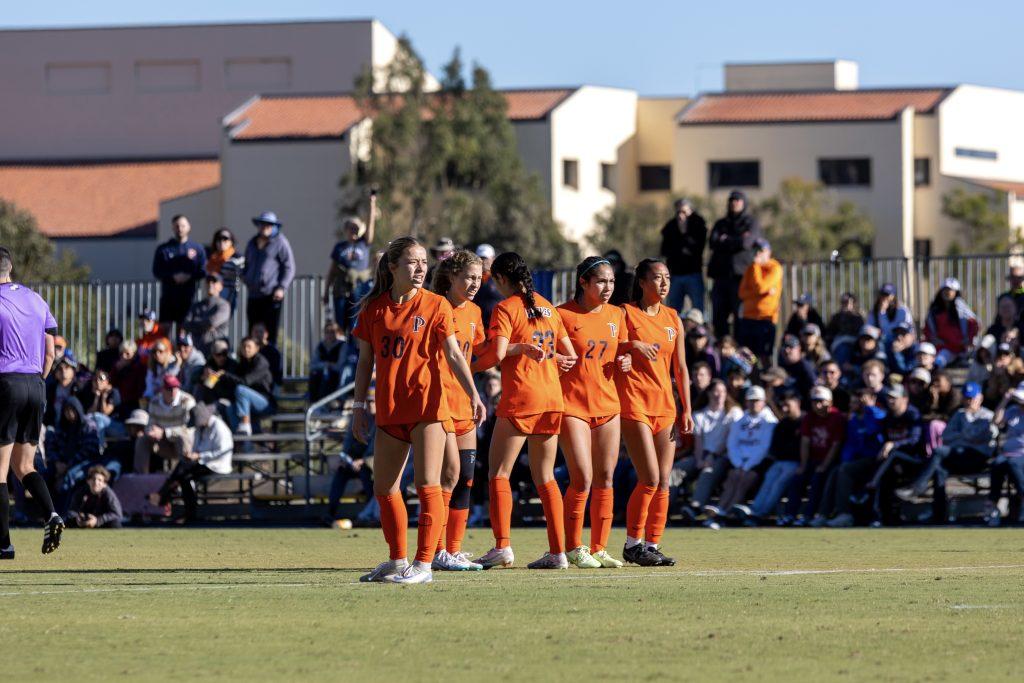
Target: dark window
[[734, 174], [922, 249], [571, 173], [922, 172], [608, 176], [654, 178], [977, 153], [844, 171]]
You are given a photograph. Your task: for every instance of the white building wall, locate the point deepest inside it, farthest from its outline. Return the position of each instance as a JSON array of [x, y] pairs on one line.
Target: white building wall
[[983, 120]]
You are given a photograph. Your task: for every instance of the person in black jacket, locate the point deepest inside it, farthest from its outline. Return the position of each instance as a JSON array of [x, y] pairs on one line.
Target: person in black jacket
[[96, 505], [247, 383], [682, 246], [730, 242], [179, 263]]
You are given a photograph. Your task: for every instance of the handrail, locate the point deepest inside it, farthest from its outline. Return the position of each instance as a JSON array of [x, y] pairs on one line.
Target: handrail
[[311, 436]]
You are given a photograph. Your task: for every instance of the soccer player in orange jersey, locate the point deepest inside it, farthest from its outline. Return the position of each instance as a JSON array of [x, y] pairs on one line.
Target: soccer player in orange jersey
[[458, 279], [649, 411], [591, 427], [410, 334], [527, 335]]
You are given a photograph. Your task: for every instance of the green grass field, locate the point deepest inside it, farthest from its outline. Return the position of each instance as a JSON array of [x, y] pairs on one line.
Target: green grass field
[[808, 605]]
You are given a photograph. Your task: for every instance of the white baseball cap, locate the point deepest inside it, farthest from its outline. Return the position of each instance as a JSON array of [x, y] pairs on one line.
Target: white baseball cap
[[820, 393], [926, 347], [485, 251], [754, 393], [921, 374]]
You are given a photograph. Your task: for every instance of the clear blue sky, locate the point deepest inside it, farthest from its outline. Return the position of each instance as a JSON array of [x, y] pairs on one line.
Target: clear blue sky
[[655, 47]]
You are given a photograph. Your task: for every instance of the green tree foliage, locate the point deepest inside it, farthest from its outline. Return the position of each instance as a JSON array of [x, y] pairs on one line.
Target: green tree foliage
[[446, 163], [34, 254], [635, 231], [983, 225], [804, 222]]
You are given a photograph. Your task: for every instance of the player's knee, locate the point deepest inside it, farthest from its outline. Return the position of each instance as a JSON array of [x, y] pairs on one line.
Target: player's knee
[[22, 467]]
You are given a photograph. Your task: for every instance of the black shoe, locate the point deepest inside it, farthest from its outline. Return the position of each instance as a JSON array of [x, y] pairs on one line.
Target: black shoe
[[51, 533], [640, 555], [7, 553], [663, 559]]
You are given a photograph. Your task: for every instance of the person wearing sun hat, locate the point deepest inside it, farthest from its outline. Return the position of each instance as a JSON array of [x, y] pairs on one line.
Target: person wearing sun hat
[[268, 272], [951, 325]]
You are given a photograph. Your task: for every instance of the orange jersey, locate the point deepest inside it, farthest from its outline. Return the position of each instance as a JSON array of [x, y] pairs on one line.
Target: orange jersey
[[589, 388], [647, 388], [408, 348], [528, 387], [470, 333]]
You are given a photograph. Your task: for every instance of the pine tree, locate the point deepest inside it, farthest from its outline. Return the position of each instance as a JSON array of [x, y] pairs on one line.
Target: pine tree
[[35, 258]]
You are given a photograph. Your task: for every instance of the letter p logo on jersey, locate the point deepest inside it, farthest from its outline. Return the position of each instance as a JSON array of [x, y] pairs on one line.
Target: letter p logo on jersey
[[418, 323]]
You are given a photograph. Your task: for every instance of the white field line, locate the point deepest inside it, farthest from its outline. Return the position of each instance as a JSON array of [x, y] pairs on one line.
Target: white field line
[[958, 607], [587, 576]]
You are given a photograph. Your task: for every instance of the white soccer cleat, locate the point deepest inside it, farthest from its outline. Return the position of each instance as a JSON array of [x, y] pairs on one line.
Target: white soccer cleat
[[550, 561], [446, 562], [606, 560], [414, 573], [384, 570], [497, 557]]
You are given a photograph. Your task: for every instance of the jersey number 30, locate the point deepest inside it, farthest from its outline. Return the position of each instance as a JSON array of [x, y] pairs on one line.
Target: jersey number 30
[[393, 347]]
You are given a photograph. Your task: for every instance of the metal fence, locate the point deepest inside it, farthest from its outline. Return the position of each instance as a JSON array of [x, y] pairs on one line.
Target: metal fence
[[85, 311]]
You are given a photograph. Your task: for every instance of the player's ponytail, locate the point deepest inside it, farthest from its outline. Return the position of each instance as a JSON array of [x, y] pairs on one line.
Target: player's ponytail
[[383, 278], [513, 268], [454, 265], [642, 270], [584, 270]]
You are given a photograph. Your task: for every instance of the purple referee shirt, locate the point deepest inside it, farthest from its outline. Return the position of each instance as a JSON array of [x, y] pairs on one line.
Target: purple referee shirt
[[25, 319]]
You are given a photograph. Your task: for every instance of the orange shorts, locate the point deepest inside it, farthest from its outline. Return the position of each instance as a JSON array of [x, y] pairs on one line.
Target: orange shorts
[[463, 427], [403, 432], [595, 422], [657, 423], [541, 423]]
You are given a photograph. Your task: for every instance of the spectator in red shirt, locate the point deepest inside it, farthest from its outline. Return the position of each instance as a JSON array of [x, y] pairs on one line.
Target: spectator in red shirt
[[152, 332], [951, 324], [822, 433]]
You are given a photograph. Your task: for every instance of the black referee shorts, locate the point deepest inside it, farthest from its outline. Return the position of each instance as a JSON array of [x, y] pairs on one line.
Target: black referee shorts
[[22, 402]]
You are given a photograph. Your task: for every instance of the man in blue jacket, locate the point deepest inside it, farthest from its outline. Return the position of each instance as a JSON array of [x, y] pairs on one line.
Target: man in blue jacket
[[269, 271], [179, 263]]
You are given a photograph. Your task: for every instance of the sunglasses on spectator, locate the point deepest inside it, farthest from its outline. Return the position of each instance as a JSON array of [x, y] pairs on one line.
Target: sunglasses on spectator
[[224, 238]]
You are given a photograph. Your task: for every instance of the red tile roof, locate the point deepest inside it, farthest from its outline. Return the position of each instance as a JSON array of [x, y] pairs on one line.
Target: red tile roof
[[102, 199], [1001, 185], [841, 105], [275, 117]]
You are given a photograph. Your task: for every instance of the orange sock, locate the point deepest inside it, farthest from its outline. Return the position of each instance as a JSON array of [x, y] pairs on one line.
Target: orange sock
[[446, 498], [456, 529], [657, 516], [575, 504], [636, 510], [551, 501], [431, 517], [602, 506], [394, 522], [501, 511]]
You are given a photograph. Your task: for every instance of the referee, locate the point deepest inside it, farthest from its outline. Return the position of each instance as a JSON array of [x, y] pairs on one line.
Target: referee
[[26, 355]]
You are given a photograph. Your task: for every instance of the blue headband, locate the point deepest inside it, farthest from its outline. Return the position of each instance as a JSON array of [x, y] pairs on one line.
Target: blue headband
[[595, 264]]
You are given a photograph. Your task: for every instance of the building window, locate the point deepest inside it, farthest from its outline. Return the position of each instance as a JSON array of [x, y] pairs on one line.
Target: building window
[[571, 173], [986, 154], [655, 178], [844, 171], [608, 176], [922, 249], [922, 172], [722, 174]]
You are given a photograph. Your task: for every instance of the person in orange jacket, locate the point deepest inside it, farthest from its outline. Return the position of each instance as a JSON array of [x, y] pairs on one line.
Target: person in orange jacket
[[760, 295]]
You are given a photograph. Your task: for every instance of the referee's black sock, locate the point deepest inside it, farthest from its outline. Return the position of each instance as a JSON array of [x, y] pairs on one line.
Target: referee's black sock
[[5, 516], [36, 485]]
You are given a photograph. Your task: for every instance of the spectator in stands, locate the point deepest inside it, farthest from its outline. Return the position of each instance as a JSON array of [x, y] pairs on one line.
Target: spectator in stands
[[208, 319], [60, 347], [269, 271], [1015, 279], [162, 363], [693, 319], [225, 261], [1009, 463], [760, 292], [804, 314], [254, 395], [858, 460], [353, 464], [95, 506], [777, 384], [888, 312], [350, 266], [488, 297], [785, 454], [700, 379], [799, 369], [902, 453], [951, 324], [730, 242], [179, 263], [442, 249], [924, 356], [813, 345], [623, 279], [700, 350], [152, 332], [822, 434], [129, 375], [747, 445], [325, 367], [1007, 317], [867, 348], [737, 383], [683, 239], [191, 362], [102, 404], [211, 453], [167, 435], [968, 442], [980, 367], [830, 376], [917, 384], [260, 333], [708, 464], [900, 350], [60, 386], [111, 351], [843, 327], [872, 376], [1007, 372]]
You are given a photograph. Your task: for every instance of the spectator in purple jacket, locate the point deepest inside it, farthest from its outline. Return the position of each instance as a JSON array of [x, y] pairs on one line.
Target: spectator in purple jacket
[[269, 271]]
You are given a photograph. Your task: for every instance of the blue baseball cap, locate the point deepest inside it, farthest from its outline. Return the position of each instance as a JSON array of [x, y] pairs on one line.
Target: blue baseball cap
[[266, 218], [147, 314], [972, 389], [888, 289]]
